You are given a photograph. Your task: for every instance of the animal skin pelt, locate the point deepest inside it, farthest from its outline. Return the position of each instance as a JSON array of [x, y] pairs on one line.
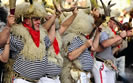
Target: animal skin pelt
[[30, 51], [52, 57], [83, 23]]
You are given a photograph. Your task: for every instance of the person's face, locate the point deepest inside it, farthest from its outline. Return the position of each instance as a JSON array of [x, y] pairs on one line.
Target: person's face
[[35, 21], [112, 24]]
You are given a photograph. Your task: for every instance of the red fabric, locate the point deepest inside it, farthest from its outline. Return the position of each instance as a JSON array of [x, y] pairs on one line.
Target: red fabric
[[101, 69], [92, 54], [87, 36], [34, 34], [56, 46], [113, 31]]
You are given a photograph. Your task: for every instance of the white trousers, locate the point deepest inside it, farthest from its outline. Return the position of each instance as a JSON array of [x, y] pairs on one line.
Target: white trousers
[[42, 80], [102, 74], [84, 78], [49, 80], [20, 81]]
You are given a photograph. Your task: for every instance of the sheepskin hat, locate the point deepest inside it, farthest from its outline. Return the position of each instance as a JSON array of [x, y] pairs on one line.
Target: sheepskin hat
[[83, 23], [28, 10]]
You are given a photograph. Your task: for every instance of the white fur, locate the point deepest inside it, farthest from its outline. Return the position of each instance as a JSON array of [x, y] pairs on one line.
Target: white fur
[[83, 23], [27, 10]]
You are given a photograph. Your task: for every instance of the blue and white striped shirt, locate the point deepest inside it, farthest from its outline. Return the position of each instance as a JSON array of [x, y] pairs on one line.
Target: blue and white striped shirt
[[85, 57], [29, 69]]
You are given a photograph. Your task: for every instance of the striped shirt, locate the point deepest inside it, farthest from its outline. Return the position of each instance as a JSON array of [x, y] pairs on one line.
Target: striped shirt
[[52, 69], [29, 69], [85, 57]]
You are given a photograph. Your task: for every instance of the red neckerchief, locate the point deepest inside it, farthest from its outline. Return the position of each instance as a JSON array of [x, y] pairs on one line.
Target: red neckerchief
[[56, 46], [87, 37], [113, 31], [115, 34], [34, 34]]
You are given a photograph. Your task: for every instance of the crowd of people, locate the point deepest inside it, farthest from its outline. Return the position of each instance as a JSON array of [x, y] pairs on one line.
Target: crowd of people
[[38, 47]]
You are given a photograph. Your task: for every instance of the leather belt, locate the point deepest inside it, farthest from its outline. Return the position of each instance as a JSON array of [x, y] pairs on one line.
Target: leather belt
[[17, 75], [99, 59], [50, 76]]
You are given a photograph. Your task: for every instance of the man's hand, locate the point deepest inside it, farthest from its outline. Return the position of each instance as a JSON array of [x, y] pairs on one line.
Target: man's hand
[[75, 11], [98, 30], [89, 43]]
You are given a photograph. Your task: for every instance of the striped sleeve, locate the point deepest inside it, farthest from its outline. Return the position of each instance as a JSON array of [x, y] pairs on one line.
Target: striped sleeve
[[16, 44], [85, 57], [76, 43]]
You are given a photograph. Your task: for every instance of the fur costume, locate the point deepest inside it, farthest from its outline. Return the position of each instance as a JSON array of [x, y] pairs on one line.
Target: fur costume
[[8, 71], [30, 10], [30, 51], [52, 57], [27, 10], [83, 23]]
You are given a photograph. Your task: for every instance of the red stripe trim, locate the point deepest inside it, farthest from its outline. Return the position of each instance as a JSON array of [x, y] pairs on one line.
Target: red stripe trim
[[13, 79], [101, 69]]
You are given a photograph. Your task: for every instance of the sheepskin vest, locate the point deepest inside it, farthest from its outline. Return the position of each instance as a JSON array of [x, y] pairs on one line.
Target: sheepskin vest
[[30, 50], [52, 56], [68, 65]]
